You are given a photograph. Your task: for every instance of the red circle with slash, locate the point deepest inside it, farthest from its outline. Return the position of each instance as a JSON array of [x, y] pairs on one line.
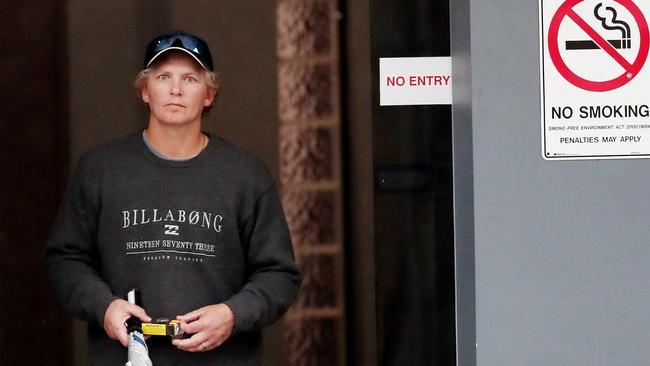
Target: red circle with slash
[[631, 69]]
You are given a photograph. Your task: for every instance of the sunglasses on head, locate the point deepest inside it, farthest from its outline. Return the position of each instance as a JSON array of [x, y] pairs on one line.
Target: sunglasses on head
[[192, 45]]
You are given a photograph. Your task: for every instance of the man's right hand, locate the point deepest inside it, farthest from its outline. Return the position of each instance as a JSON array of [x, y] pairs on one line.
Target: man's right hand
[[117, 314]]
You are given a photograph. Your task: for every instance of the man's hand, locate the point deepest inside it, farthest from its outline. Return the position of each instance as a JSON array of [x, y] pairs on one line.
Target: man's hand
[[210, 325], [116, 314]]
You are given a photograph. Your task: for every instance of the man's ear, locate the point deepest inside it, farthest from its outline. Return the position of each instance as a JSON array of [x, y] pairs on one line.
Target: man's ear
[[209, 99], [144, 93]]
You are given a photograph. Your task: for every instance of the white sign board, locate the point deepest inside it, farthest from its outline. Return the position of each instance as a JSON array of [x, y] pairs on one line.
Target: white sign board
[[595, 79], [414, 80]]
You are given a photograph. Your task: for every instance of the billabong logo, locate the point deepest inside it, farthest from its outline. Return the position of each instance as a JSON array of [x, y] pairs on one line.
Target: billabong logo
[[171, 229], [137, 217]]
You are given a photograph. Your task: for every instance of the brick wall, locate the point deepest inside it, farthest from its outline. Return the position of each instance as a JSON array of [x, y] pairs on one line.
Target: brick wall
[[310, 174]]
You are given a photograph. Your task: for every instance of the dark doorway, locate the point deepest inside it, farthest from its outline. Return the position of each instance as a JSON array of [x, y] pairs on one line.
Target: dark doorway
[[33, 152], [412, 152]]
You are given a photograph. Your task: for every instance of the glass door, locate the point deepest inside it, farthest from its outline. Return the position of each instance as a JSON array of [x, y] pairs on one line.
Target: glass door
[[412, 152]]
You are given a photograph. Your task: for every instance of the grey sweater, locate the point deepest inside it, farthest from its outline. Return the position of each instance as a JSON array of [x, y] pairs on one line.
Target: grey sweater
[[187, 234]]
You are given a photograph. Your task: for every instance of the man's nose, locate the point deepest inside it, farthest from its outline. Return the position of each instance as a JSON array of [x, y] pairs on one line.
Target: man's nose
[[176, 88]]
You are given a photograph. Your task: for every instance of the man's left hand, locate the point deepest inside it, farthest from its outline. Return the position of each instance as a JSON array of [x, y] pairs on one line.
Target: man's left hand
[[210, 326]]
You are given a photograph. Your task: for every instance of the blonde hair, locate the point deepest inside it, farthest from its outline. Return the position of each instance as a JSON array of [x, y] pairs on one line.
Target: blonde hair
[[211, 80]]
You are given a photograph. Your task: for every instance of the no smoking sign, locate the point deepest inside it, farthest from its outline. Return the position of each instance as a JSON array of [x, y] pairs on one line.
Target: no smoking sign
[[594, 79]]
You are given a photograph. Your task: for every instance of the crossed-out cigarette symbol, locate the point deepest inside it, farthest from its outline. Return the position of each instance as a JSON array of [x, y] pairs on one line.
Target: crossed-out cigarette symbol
[[625, 42]]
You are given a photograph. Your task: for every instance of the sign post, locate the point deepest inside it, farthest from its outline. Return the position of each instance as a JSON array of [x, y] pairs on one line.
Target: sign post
[[595, 79]]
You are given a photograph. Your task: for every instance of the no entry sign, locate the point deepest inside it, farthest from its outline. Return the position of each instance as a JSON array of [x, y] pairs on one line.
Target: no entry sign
[[594, 79], [415, 80]]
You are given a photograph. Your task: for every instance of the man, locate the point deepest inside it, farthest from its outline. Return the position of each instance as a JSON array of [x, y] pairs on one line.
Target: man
[[190, 220]]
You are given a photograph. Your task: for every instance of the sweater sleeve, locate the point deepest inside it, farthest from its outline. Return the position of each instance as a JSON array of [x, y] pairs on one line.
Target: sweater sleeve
[[273, 275], [71, 258]]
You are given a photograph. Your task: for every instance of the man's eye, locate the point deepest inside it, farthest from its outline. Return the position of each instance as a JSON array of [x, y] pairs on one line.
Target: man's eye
[[191, 79], [163, 77]]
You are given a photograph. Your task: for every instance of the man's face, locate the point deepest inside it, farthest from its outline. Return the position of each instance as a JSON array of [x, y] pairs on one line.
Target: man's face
[[176, 90]]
